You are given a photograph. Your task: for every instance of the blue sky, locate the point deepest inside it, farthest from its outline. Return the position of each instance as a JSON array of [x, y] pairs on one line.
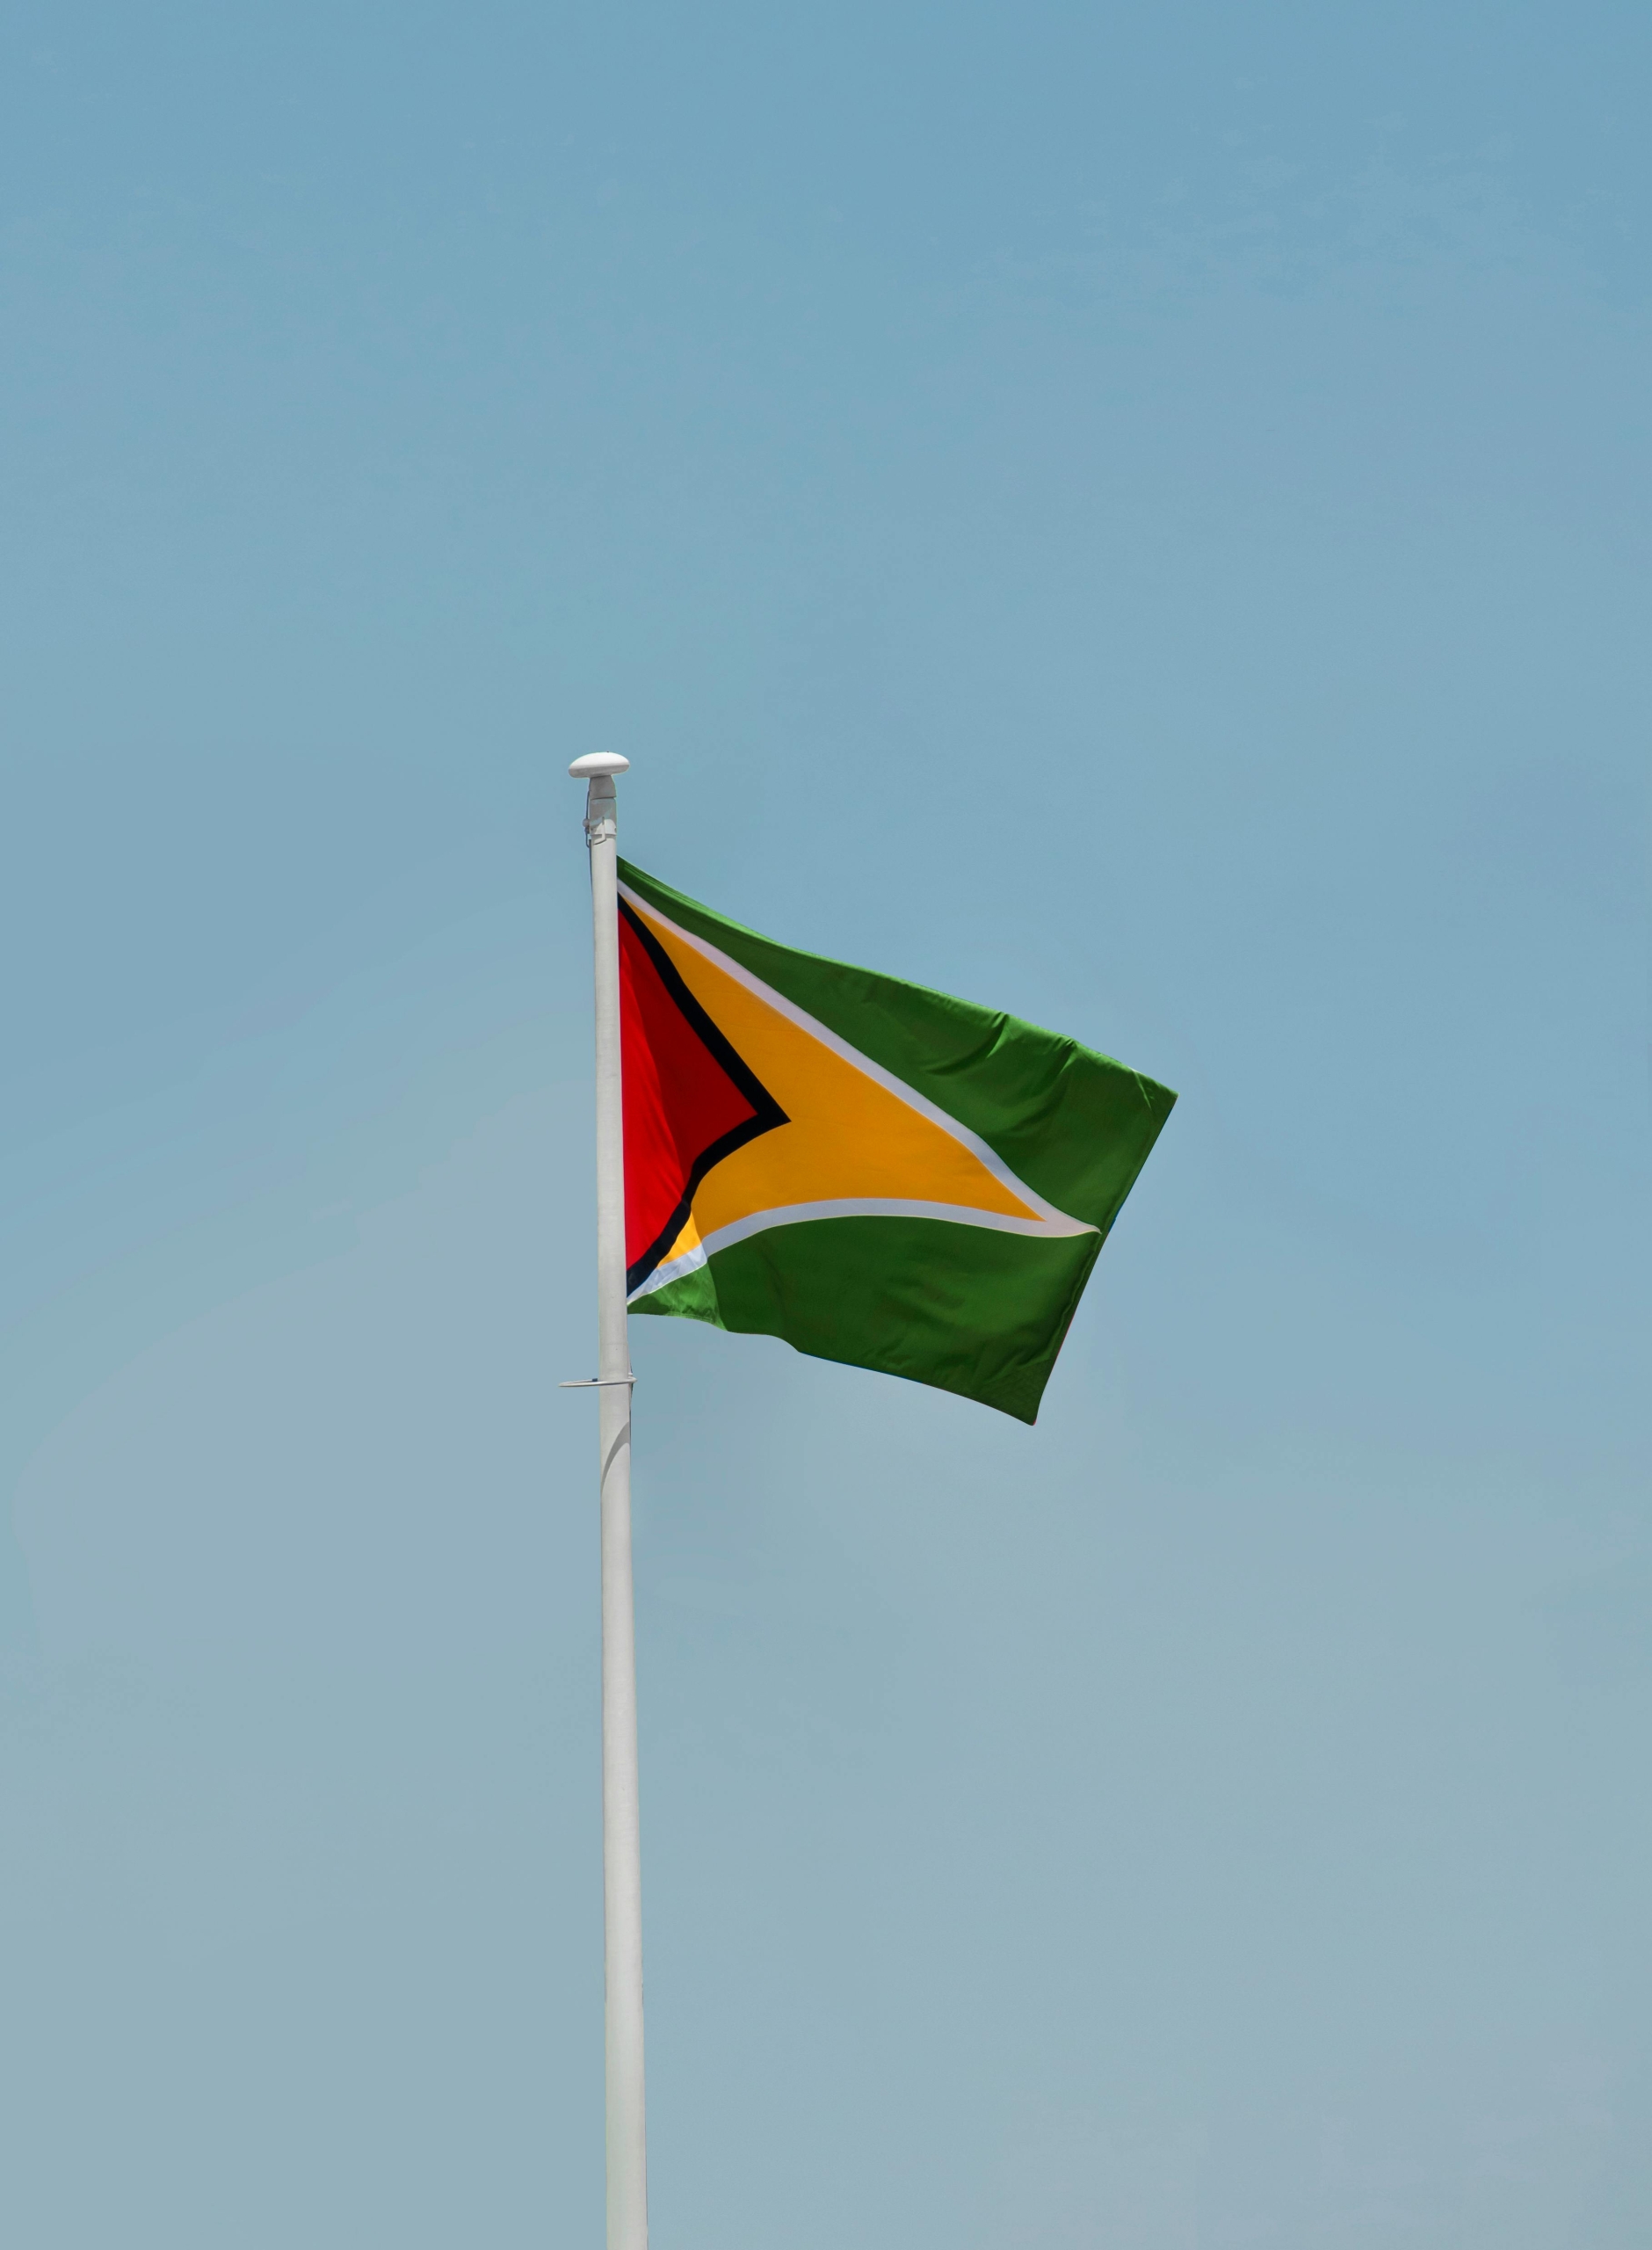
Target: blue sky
[[1136, 518]]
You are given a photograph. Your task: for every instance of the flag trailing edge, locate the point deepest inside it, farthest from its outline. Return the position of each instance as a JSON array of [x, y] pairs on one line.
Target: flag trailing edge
[[876, 1172]]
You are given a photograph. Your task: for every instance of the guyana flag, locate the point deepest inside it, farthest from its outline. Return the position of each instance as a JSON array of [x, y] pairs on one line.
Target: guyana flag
[[876, 1172]]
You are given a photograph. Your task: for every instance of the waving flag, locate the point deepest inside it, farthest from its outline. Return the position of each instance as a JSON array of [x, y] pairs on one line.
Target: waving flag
[[875, 1173]]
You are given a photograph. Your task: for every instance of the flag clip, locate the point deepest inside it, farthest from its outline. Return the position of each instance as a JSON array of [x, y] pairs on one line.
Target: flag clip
[[599, 1383]]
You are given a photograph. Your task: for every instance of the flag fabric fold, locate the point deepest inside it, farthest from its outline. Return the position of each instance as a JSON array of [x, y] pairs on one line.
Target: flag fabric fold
[[873, 1172]]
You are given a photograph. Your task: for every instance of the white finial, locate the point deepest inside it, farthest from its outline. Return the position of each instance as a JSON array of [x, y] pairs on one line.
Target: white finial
[[598, 761]]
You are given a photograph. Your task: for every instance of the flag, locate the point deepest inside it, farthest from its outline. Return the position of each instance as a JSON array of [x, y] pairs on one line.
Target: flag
[[873, 1172]]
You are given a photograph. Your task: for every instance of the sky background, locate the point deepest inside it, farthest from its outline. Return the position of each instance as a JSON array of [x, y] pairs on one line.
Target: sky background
[[1138, 517]]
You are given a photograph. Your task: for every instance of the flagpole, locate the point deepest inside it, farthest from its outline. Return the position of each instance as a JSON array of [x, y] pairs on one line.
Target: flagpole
[[621, 1836]]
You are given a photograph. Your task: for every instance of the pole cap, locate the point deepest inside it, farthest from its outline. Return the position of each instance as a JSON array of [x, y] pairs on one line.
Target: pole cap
[[598, 761]]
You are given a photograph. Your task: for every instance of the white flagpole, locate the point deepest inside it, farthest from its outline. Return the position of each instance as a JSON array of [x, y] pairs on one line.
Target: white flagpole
[[622, 1838]]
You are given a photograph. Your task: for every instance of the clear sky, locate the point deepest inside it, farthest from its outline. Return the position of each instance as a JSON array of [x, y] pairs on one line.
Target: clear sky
[[1138, 517]]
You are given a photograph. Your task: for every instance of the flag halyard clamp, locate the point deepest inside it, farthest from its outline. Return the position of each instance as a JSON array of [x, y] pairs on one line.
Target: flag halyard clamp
[[599, 1383]]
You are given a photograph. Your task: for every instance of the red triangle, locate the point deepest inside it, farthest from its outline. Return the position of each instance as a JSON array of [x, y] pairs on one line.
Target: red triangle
[[690, 1100]]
